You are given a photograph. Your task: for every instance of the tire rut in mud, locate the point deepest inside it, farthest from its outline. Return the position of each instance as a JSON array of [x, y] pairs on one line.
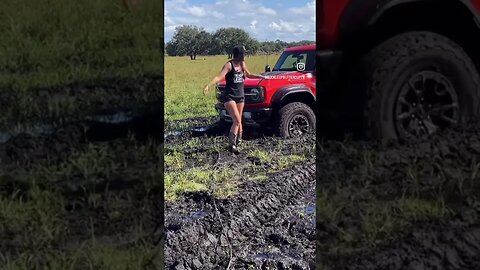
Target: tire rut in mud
[[438, 173], [256, 228], [440, 245]]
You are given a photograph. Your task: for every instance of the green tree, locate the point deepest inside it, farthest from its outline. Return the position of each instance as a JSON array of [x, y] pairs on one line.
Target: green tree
[[170, 49], [192, 41], [201, 44], [228, 38], [183, 40]]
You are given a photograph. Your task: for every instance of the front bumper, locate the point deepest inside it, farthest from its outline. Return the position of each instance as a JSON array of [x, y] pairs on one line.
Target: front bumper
[[251, 117]]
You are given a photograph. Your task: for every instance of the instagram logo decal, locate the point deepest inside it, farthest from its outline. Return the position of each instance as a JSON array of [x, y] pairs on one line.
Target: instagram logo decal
[[300, 66]]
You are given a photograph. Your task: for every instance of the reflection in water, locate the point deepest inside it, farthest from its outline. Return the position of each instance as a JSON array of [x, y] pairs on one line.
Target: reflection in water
[[174, 133], [309, 210], [40, 129], [32, 130], [4, 137], [200, 129], [117, 118], [195, 132], [199, 215]]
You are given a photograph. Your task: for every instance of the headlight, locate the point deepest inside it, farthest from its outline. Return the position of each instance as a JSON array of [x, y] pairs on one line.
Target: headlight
[[257, 94]]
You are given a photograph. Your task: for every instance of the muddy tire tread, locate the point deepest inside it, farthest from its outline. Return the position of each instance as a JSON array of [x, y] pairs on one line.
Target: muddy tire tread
[[286, 111], [386, 57]]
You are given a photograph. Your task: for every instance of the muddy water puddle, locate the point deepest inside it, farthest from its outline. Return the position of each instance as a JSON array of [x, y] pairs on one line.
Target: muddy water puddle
[[215, 131], [198, 215], [116, 118], [190, 215], [311, 213], [32, 130], [174, 134], [193, 132], [309, 209], [39, 129]]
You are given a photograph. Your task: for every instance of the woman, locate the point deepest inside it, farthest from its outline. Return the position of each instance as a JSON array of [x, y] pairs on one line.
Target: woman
[[234, 72]]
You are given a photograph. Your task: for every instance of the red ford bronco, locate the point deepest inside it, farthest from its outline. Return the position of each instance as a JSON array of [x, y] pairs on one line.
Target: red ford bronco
[[397, 69], [285, 99]]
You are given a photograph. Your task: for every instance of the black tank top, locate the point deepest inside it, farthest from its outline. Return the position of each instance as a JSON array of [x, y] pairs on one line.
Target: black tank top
[[234, 82]]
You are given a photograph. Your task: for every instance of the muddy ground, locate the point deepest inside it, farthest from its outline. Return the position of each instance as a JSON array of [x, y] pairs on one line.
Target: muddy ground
[[264, 223], [412, 206], [396, 206], [90, 186], [78, 100], [86, 193]]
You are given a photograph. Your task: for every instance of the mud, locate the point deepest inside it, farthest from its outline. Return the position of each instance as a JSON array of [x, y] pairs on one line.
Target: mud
[[189, 123], [209, 127], [77, 100], [440, 245], [363, 186], [105, 171], [265, 226]]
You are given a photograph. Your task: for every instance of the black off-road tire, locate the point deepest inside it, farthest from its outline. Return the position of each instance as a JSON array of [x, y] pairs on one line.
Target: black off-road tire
[[389, 66], [295, 111]]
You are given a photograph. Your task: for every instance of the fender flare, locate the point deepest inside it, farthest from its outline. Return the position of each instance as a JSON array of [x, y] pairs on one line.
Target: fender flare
[[360, 15], [392, 3], [286, 91]]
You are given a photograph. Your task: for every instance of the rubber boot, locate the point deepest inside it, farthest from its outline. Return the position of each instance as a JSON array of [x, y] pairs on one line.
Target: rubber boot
[[239, 138], [232, 139]]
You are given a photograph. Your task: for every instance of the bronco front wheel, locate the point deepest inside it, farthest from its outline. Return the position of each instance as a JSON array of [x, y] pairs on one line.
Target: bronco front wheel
[[418, 83], [296, 119]]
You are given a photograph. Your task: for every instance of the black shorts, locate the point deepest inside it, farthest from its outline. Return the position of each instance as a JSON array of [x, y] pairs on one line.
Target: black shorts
[[227, 98]]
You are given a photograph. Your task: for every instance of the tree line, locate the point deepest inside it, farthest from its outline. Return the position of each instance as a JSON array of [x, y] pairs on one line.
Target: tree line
[[189, 40]]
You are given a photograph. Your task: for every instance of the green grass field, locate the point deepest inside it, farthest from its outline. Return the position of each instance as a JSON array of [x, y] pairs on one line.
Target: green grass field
[[46, 42], [185, 79]]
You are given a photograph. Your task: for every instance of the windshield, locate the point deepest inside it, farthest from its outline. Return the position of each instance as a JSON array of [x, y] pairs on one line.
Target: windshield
[[296, 61]]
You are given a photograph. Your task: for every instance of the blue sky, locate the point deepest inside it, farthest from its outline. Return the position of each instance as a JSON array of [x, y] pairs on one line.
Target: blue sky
[[286, 20]]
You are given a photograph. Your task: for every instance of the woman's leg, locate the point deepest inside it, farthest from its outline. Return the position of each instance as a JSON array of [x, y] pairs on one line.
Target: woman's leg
[[232, 137], [233, 112], [240, 107]]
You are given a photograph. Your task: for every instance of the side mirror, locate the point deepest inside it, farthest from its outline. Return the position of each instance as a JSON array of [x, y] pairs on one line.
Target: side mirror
[[267, 68]]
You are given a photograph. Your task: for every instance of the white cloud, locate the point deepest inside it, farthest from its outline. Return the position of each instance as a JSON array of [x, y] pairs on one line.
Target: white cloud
[[244, 14], [216, 14], [264, 20], [253, 24], [266, 11], [308, 10], [275, 26], [170, 29], [169, 21], [195, 11]]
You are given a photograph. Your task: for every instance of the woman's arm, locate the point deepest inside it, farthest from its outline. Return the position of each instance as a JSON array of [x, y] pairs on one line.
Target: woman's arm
[[250, 75], [216, 79]]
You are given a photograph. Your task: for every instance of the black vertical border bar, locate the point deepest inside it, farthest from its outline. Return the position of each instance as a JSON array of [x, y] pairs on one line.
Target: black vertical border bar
[[161, 196]]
